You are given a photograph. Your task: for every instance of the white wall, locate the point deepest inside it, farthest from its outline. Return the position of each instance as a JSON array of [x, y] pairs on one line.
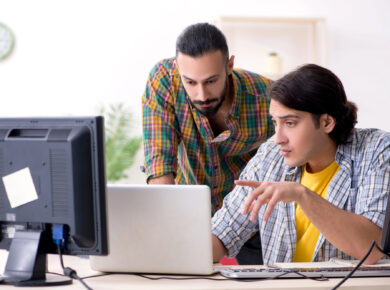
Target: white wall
[[71, 56]]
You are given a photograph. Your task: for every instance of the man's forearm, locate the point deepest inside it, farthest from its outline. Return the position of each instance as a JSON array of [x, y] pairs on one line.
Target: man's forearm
[[219, 249], [164, 179]]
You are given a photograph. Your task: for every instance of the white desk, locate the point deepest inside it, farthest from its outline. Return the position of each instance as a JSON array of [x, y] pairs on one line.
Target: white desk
[[114, 282]]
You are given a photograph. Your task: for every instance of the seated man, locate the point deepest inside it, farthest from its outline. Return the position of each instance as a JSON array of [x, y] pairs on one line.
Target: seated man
[[319, 189]]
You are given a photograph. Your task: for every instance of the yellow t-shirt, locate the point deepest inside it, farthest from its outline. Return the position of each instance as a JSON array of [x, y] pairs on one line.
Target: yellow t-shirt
[[307, 234]]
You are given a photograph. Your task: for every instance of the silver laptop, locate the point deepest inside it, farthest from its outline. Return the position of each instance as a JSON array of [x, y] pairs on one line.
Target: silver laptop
[[158, 229]]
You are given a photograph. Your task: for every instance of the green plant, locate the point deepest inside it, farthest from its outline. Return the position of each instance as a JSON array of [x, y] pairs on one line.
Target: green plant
[[121, 147]]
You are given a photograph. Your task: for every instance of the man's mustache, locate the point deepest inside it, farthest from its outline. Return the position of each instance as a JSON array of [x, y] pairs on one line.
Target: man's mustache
[[207, 102]]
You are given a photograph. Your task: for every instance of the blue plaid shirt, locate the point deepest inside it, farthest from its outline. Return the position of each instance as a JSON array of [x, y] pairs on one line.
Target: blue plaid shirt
[[361, 186]]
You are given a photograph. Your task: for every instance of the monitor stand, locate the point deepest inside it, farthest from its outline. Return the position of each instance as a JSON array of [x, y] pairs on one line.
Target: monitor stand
[[27, 262]]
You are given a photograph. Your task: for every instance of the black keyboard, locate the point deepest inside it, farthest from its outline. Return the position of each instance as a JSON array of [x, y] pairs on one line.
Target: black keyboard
[[259, 273]]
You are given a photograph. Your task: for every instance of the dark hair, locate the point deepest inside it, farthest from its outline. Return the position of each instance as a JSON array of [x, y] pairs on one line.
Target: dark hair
[[197, 39], [314, 89]]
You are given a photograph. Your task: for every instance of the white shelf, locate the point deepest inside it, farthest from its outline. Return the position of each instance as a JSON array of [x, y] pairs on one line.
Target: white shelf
[[296, 40]]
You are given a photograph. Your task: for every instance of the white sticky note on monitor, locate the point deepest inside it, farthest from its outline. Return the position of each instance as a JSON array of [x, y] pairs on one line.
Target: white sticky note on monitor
[[19, 187]]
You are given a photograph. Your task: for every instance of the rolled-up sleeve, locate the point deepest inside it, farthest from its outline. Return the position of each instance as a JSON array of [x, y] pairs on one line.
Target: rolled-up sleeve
[[229, 225], [160, 136], [374, 189]]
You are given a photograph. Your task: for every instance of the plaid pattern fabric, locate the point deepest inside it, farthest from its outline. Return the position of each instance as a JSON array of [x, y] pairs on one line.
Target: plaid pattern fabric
[[178, 139], [361, 186]]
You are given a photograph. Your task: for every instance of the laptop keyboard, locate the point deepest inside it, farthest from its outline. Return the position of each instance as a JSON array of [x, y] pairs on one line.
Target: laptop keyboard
[[259, 273]]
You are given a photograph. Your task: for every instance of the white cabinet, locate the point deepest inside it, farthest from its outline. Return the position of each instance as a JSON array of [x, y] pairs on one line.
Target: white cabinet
[[295, 40]]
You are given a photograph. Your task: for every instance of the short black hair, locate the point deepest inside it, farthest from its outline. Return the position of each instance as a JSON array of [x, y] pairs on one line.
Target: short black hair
[[200, 38], [317, 90]]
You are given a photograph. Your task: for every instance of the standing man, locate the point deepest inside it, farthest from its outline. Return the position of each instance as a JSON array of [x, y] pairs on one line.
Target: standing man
[[319, 190], [202, 119]]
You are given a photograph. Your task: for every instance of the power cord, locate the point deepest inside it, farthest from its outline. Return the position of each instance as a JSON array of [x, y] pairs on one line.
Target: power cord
[[383, 252], [373, 243], [58, 232], [205, 278], [321, 278], [184, 278]]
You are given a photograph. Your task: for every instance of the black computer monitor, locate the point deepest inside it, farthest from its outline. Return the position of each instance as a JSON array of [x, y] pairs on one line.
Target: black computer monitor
[[385, 240], [65, 159]]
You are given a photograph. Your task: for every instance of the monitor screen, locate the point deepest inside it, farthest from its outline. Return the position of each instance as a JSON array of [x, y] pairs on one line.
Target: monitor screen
[[52, 192]]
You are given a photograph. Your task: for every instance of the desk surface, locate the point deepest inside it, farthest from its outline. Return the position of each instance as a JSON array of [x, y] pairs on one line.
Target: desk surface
[[129, 281]]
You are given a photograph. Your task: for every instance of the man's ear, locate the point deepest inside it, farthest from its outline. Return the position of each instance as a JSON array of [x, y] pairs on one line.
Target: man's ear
[[230, 64], [327, 123]]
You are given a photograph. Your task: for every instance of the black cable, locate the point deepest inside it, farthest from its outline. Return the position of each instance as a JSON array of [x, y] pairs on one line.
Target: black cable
[[209, 278], [60, 254], [177, 278], [383, 252], [54, 273], [72, 273], [321, 278], [373, 243], [69, 272], [184, 278], [155, 278], [98, 275]]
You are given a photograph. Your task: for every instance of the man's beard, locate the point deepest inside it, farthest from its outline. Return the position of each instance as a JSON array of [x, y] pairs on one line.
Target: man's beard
[[210, 111]]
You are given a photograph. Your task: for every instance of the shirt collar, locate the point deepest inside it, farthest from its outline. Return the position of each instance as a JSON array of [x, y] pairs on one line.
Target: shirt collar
[[346, 153], [236, 105]]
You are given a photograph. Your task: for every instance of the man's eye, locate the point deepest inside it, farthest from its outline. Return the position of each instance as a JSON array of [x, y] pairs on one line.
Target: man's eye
[[211, 81], [290, 124], [190, 82]]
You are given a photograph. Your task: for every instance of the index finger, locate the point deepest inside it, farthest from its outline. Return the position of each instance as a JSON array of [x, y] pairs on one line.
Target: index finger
[[250, 183]]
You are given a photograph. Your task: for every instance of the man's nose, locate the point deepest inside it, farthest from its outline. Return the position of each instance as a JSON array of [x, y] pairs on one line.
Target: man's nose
[[202, 96], [280, 137]]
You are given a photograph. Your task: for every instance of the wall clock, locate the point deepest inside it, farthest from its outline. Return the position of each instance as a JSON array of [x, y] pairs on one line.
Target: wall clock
[[7, 41]]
